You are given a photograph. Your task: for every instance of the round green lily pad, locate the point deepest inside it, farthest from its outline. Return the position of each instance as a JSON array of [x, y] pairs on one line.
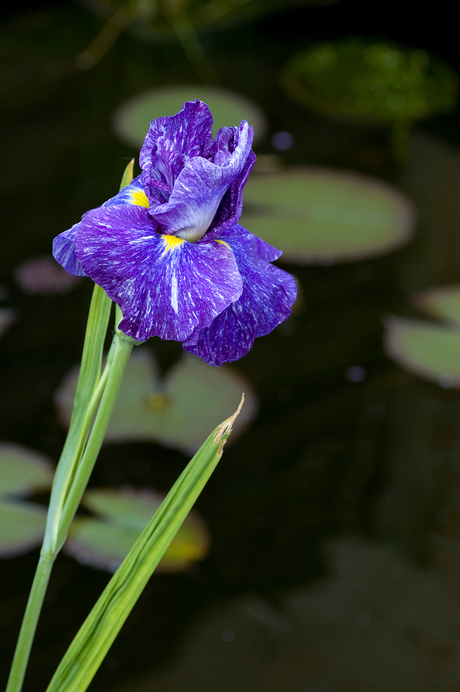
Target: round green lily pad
[[23, 471], [442, 302], [105, 540], [362, 79], [428, 350], [179, 411], [22, 526], [132, 119], [321, 216]]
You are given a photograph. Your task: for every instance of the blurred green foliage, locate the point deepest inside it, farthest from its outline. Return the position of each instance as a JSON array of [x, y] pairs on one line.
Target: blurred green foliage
[[365, 80]]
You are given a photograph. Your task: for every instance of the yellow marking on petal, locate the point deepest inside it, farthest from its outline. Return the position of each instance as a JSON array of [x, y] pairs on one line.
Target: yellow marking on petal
[[172, 242], [222, 242], [140, 198]]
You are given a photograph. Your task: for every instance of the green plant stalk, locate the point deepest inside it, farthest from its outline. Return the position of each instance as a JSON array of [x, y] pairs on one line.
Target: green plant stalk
[[29, 624], [75, 462], [87, 387], [122, 346], [87, 396], [90, 387], [87, 651], [121, 350]]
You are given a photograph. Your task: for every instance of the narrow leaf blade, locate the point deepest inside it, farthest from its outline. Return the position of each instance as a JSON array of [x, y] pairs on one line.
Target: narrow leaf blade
[[98, 632]]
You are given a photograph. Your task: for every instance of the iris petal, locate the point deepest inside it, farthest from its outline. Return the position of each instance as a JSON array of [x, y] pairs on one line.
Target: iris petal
[[199, 189], [164, 287], [268, 294], [64, 251], [64, 243], [217, 293], [170, 141], [131, 194], [231, 205]]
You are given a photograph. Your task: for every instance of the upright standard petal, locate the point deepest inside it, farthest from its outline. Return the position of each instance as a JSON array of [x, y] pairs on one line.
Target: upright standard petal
[[165, 286], [200, 187], [171, 140], [268, 294], [231, 206]]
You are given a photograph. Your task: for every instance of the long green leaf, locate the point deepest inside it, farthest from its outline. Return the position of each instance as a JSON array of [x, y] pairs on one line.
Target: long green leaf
[[87, 651]]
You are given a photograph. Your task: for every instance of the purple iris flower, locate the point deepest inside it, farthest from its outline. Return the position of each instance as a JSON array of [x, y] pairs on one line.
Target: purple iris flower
[[168, 248]]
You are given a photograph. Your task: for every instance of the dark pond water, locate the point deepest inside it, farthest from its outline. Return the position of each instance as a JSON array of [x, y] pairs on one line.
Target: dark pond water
[[335, 518]]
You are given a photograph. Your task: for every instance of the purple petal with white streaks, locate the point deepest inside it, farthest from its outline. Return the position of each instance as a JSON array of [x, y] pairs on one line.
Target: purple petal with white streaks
[[64, 251], [169, 143], [217, 293], [200, 187], [162, 292], [128, 195], [231, 205], [268, 294]]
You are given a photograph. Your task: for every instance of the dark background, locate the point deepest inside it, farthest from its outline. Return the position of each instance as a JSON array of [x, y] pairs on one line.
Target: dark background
[[323, 451]]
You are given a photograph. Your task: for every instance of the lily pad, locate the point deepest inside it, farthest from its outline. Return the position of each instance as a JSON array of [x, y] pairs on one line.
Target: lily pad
[[22, 526], [442, 302], [321, 216], [105, 540], [362, 79], [131, 120], [177, 411], [23, 471], [429, 350]]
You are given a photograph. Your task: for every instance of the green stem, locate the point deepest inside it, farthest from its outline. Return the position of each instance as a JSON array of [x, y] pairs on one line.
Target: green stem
[[106, 391], [29, 624], [77, 460], [87, 387], [121, 350]]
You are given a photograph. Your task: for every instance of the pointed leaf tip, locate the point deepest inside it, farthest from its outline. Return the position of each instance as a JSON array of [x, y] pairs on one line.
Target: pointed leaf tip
[[128, 175], [225, 428]]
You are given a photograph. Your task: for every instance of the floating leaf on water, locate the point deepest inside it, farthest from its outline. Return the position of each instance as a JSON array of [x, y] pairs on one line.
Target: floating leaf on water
[[43, 275], [177, 411], [22, 526], [442, 302], [7, 317], [198, 397], [105, 540], [23, 471], [131, 120], [361, 79], [428, 350], [323, 216]]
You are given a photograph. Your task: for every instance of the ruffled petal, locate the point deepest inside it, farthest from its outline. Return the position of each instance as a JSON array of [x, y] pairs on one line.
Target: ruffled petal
[[64, 251], [199, 189], [268, 294], [231, 206], [169, 143], [164, 286]]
